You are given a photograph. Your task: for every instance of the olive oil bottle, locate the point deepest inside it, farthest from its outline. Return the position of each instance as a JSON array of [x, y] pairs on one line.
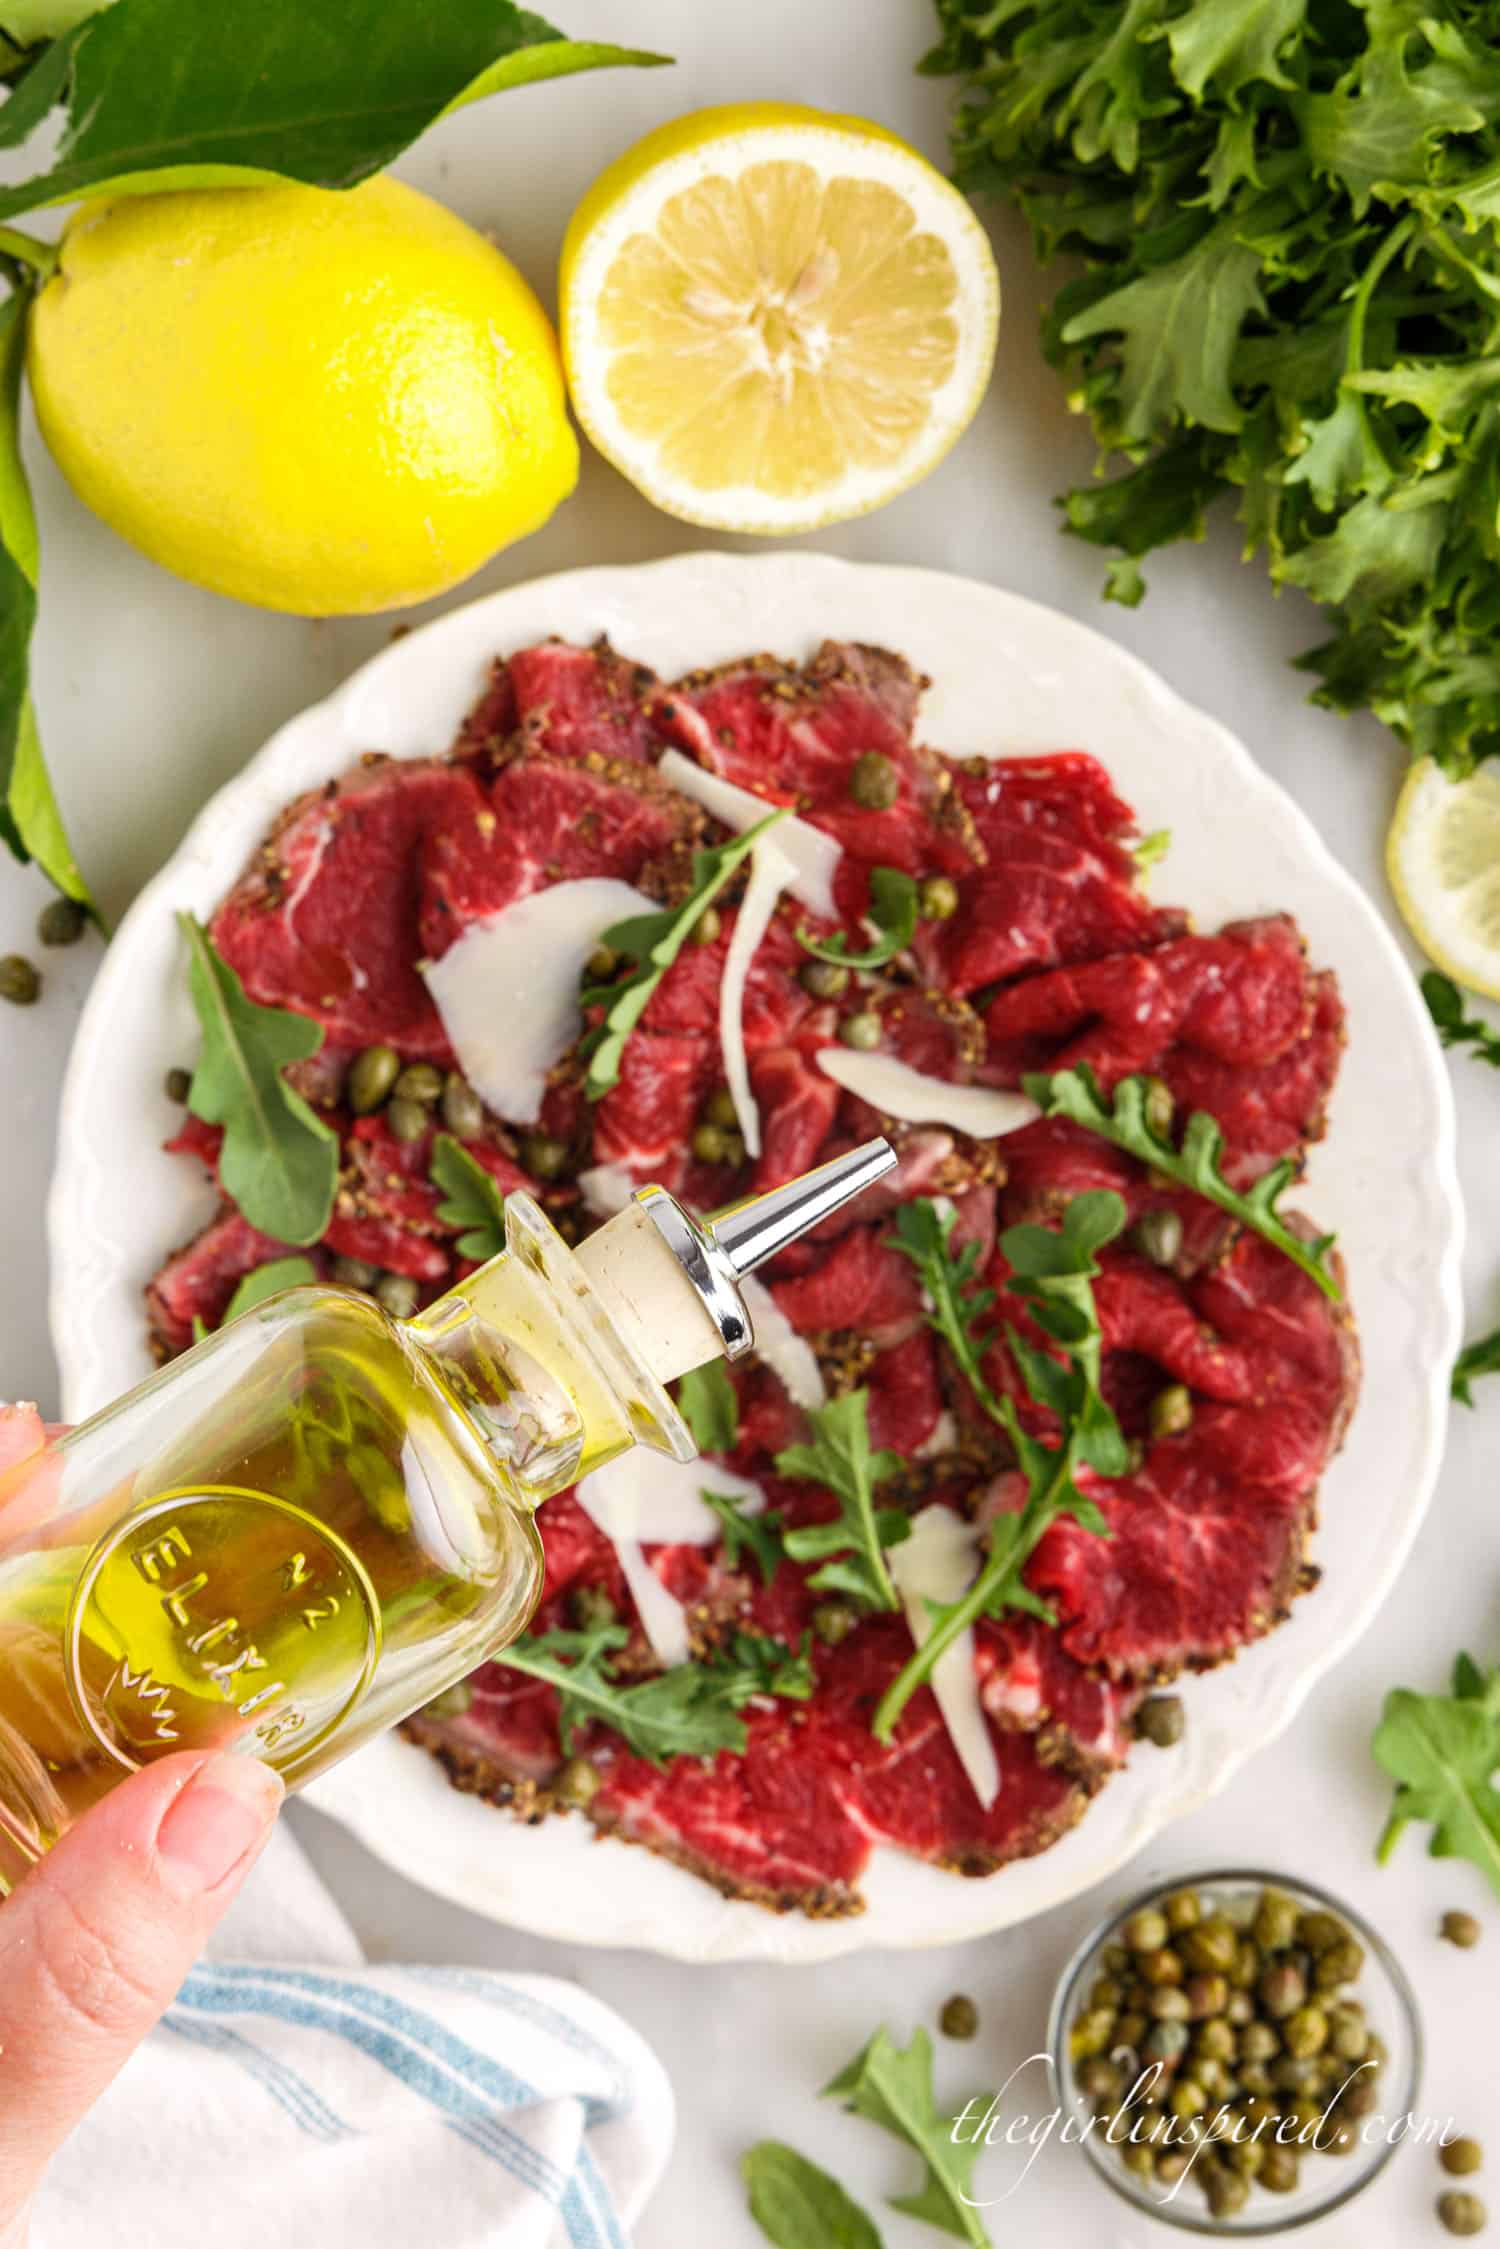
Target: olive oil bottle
[[320, 1517]]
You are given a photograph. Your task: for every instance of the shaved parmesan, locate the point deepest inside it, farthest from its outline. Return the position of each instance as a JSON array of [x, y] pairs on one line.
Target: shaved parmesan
[[606, 1189], [507, 989], [896, 1090], [770, 873], [939, 1562], [778, 1346], [813, 855], [643, 1498]]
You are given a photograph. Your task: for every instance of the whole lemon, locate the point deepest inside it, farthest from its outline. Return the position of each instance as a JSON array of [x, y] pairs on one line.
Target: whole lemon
[[322, 402]]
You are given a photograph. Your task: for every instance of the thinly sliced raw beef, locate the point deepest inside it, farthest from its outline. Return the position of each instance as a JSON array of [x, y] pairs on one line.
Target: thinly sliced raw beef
[[584, 702], [198, 1280]]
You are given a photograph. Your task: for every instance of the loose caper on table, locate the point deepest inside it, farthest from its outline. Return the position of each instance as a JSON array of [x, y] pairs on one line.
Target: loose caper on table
[[1223, 2041]]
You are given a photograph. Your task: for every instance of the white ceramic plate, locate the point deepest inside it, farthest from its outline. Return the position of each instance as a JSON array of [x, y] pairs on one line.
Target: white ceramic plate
[[1009, 677]]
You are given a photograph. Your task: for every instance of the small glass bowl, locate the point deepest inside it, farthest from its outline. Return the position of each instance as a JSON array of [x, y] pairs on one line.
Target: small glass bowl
[[1326, 2182]]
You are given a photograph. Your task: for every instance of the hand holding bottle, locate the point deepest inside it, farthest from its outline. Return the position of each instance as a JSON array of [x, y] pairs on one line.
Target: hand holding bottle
[[97, 1938]]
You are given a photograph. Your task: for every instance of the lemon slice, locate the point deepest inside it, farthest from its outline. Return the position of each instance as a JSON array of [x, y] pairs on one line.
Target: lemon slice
[[1443, 858], [774, 318]]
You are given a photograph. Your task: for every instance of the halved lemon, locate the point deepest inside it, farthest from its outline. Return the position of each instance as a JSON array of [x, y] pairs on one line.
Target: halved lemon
[[773, 318], [1443, 859]]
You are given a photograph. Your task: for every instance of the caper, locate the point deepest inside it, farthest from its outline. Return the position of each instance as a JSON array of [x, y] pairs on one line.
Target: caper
[[1275, 1923], [1171, 1411], [1254, 2077], [1187, 2098], [707, 927], [406, 1120], [1091, 2034], [1294, 2073], [1283, 1989], [937, 898], [452, 1702], [61, 922], [1340, 2136], [178, 1084], [1259, 2043], [1132, 2027], [601, 963], [353, 1272], [1214, 2077], [1461, 1929], [1245, 1971], [1146, 1930], [709, 1144], [1171, 2166], [1157, 1234], [1161, 1720], [1359, 2096], [1098, 2077], [1139, 2158], [1226, 2192], [1462, 2213], [960, 2017], [590, 1608], [421, 1082], [719, 1109], [1347, 2036], [1247, 2157], [1281, 2170], [1216, 2041], [1460, 2157], [1260, 2111], [861, 1030], [1318, 1930], [1305, 2033], [20, 982], [543, 1156], [1212, 1945], [1303, 2112], [1207, 1995], [1165, 2042], [833, 1621], [577, 1783], [823, 980], [1107, 1991], [1239, 2009], [396, 1293], [1168, 2004], [1159, 1107], [372, 1073], [1163, 1967], [1115, 1959], [463, 1111], [1184, 1910], [874, 782], [1340, 1963]]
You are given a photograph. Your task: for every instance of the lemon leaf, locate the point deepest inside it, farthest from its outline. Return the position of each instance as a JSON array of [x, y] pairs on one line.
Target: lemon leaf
[[326, 95]]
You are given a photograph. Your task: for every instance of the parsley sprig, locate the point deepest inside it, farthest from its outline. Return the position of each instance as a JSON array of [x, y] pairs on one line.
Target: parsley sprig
[[839, 1456], [653, 942], [1445, 1005], [893, 910], [1052, 1272], [690, 1711], [472, 1201], [1124, 1120]]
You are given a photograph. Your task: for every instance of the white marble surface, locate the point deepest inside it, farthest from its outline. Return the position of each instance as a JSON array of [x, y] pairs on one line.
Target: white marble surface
[[151, 693]]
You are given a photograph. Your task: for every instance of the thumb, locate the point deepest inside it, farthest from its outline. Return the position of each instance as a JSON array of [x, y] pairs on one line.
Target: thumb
[[97, 1939]]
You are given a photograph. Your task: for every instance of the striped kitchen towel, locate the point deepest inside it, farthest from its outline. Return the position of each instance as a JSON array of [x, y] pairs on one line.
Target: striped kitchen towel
[[311, 2099]]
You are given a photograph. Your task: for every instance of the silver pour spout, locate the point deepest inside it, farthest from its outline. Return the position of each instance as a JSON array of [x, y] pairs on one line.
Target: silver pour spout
[[716, 1252]]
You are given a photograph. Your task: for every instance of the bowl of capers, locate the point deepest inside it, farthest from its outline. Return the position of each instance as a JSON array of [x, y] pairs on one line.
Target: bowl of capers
[[1235, 2054]]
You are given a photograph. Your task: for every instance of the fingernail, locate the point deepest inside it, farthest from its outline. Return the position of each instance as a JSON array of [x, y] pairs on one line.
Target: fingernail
[[217, 1823]]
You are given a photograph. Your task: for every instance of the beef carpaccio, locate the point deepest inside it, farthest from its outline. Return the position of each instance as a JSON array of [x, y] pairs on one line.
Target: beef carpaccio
[[1042, 948]]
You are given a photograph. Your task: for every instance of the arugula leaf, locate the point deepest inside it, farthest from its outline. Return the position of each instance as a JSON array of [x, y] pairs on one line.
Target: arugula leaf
[[1151, 848], [1443, 1752], [957, 1302], [707, 1401], [268, 1280], [839, 1457], [653, 942], [689, 1711], [474, 1198], [1282, 227], [1053, 1273], [756, 1535], [1479, 1357], [1122, 1120], [797, 2205], [1446, 1007], [278, 1162], [892, 2086], [893, 910], [327, 95]]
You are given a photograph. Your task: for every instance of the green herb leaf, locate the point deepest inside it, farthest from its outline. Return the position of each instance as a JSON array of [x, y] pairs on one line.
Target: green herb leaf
[[892, 2086], [474, 1200], [653, 942], [292, 95], [707, 1402], [1480, 1357], [893, 910], [279, 1162], [1121, 1120], [1443, 1752], [1052, 1271], [840, 1458], [1445, 1005], [798, 2206], [754, 1664], [756, 1535], [268, 1280], [689, 1711], [1151, 848]]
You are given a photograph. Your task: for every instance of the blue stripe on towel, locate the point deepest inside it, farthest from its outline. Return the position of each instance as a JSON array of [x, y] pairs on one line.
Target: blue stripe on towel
[[307, 2109], [525, 2007]]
